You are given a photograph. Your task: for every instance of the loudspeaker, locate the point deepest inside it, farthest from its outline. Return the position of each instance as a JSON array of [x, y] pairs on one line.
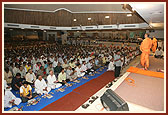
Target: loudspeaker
[[113, 102]]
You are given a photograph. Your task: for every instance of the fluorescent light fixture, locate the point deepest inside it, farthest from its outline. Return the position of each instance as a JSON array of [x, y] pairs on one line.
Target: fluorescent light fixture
[[129, 15], [74, 20], [22, 28], [89, 18], [107, 16], [133, 9], [10, 29]]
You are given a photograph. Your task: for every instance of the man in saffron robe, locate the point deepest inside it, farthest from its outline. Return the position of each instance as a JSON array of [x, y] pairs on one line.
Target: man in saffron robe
[[154, 44], [145, 49]]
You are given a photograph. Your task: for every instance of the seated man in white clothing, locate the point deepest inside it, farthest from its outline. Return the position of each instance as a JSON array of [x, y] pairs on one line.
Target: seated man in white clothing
[[71, 75], [41, 86], [79, 71], [158, 53], [6, 87], [51, 81], [90, 67], [84, 67], [10, 99], [111, 65]]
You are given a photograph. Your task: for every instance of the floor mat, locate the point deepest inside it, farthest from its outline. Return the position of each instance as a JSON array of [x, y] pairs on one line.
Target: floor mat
[[70, 102], [146, 72], [147, 92], [56, 95]]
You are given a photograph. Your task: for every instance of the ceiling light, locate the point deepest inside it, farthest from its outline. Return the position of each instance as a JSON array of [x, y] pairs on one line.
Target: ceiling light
[[107, 16], [22, 28], [10, 29], [89, 18], [133, 9], [74, 20], [129, 15]]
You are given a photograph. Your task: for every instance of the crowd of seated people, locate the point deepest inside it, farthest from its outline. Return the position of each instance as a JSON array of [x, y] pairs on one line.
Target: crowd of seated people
[[49, 67]]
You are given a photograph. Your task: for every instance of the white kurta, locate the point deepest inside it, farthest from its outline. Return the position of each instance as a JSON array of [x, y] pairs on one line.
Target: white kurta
[[40, 85], [5, 86], [79, 73], [83, 67], [51, 84], [9, 97], [111, 66]]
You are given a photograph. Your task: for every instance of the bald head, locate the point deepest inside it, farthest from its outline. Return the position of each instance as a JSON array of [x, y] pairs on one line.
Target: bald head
[[40, 77]]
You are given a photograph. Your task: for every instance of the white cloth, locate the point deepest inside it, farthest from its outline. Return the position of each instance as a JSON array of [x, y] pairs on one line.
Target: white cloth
[[30, 77], [86, 60], [35, 68], [5, 86], [23, 73], [55, 63], [79, 73], [51, 59], [50, 82], [40, 85], [8, 97], [83, 67], [111, 66], [15, 71], [89, 65]]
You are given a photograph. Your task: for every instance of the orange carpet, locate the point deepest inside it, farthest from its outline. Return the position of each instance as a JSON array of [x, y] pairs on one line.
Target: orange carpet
[[145, 72]]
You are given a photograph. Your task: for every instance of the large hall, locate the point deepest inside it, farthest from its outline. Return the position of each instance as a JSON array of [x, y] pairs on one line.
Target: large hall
[[84, 57]]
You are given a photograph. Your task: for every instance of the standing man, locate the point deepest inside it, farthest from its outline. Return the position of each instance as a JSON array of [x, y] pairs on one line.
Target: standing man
[[117, 63], [145, 49], [154, 44]]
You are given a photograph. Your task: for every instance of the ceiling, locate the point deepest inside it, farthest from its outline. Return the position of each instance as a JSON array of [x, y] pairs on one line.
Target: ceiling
[[151, 13], [71, 7]]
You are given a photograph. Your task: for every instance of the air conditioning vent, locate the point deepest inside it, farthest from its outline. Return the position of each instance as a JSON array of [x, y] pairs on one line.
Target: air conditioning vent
[[130, 26], [74, 28], [54, 28], [34, 26], [89, 27], [14, 25], [107, 26]]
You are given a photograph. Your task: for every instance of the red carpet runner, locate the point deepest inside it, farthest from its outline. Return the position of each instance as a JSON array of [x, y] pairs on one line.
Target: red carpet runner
[[75, 99]]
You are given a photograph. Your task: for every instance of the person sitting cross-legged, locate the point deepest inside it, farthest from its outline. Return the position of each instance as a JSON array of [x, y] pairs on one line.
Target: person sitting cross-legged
[[52, 82], [41, 86], [26, 92], [62, 77], [158, 53], [71, 74], [111, 65], [30, 77], [10, 99], [17, 82]]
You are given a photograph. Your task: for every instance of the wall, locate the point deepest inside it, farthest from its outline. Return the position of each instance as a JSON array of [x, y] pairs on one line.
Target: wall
[[156, 33]]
